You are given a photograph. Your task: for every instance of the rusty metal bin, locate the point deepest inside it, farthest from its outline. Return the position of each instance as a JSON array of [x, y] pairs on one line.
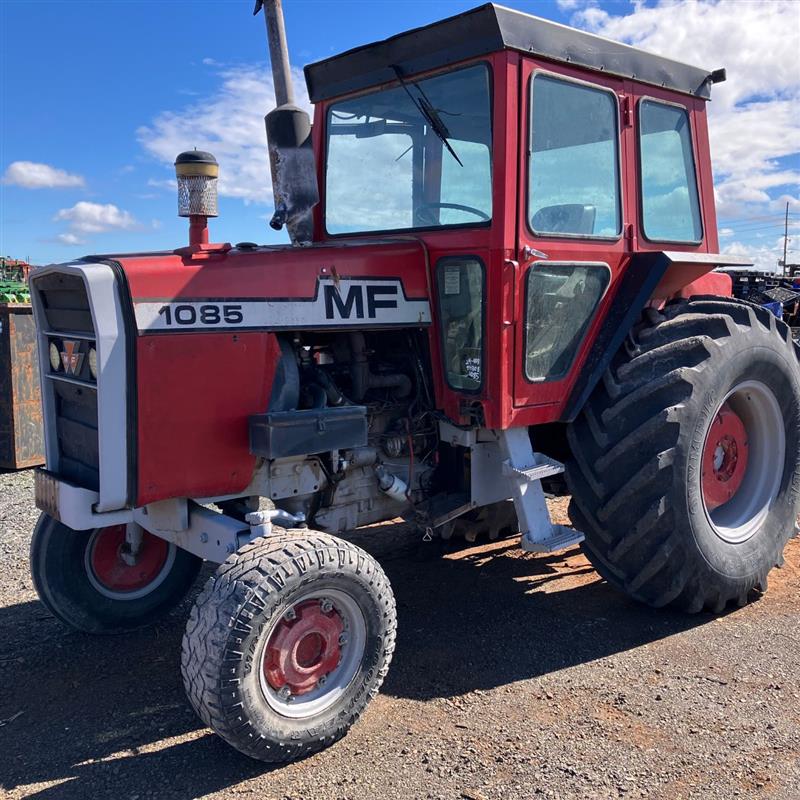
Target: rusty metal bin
[[21, 435]]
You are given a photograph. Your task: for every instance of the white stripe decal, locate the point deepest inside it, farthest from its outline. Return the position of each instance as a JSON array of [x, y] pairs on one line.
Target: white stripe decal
[[348, 302]]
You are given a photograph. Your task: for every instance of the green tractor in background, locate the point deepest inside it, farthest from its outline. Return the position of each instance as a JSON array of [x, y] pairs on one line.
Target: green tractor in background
[[13, 284]]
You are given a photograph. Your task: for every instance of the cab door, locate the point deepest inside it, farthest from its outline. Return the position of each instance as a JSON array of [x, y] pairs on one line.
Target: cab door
[[573, 232]]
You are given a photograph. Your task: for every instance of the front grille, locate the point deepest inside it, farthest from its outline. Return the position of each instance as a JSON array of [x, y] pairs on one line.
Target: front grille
[[65, 304], [76, 427]]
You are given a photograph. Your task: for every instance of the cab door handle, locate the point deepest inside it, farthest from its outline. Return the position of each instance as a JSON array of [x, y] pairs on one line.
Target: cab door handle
[[529, 253]]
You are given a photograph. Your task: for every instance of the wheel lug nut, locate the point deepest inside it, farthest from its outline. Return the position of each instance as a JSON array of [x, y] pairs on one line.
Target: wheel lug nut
[[343, 637], [285, 693], [326, 606], [290, 614], [322, 681]]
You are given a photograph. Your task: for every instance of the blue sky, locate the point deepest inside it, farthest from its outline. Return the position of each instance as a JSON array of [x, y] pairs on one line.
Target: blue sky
[[96, 99]]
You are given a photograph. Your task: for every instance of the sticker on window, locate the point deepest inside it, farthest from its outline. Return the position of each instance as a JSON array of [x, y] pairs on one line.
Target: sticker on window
[[452, 280], [472, 367]]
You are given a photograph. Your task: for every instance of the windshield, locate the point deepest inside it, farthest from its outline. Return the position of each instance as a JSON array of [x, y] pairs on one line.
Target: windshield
[[414, 156]]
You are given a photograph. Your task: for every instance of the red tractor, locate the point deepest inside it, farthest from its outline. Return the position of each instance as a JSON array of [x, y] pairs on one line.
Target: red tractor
[[501, 232]]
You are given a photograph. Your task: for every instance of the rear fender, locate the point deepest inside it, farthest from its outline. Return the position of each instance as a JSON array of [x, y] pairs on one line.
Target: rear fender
[[650, 278]]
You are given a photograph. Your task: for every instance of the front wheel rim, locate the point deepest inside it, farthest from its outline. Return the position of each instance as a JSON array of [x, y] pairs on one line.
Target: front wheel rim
[[742, 461], [312, 653], [116, 579]]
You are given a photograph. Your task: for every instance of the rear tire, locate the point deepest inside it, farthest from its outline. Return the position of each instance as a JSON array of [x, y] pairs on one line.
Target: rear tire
[[288, 642], [79, 579], [685, 467]]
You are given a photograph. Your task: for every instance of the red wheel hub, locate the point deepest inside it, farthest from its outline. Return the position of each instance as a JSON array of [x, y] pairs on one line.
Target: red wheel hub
[[304, 647], [724, 458], [113, 572]]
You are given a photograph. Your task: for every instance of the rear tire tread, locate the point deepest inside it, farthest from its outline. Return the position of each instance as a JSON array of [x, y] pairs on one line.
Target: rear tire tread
[[619, 500]]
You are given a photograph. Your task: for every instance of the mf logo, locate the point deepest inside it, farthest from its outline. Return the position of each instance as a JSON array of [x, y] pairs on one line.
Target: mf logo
[[71, 358], [359, 298]]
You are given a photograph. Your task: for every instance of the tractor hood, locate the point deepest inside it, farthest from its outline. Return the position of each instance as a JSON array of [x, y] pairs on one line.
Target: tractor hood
[[369, 284]]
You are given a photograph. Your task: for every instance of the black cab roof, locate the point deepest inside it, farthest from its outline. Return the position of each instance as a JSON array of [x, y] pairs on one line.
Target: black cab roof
[[488, 29]]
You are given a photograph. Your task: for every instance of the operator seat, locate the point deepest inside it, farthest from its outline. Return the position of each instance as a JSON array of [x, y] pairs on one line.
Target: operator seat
[[565, 218]]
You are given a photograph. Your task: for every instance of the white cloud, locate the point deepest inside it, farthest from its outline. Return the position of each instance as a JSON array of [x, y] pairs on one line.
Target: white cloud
[[753, 116], [86, 217], [69, 238], [763, 256], [753, 40], [779, 203], [33, 175], [229, 123], [567, 5]]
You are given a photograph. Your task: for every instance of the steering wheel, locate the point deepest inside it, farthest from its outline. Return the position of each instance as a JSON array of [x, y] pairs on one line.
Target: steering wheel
[[426, 208]]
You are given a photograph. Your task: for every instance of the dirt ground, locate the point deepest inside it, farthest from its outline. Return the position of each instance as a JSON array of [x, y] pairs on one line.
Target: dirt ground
[[514, 677]]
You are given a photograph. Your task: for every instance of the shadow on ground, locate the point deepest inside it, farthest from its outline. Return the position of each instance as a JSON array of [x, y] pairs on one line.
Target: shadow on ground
[[479, 619]]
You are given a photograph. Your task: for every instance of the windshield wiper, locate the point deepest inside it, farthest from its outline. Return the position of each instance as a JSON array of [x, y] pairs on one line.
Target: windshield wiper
[[429, 113]]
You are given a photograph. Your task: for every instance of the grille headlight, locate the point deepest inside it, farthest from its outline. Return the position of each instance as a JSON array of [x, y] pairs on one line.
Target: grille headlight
[[93, 362], [55, 357]]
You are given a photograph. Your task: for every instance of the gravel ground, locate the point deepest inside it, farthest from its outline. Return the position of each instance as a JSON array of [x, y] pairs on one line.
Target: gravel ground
[[514, 677]]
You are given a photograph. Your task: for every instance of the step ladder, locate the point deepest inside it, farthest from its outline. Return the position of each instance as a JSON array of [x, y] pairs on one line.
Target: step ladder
[[524, 470]]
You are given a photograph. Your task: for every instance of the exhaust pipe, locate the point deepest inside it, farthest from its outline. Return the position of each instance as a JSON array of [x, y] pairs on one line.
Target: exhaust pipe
[[291, 158]]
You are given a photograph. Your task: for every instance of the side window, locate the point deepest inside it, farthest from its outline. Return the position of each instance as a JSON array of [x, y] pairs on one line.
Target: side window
[[560, 302], [670, 206], [574, 160], [459, 285]]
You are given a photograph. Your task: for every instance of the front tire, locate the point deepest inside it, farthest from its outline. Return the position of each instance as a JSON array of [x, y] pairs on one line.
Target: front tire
[[287, 644], [82, 579], [685, 464]]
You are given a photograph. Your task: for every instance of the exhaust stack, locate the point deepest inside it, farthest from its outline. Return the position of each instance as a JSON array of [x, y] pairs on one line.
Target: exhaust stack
[[291, 158]]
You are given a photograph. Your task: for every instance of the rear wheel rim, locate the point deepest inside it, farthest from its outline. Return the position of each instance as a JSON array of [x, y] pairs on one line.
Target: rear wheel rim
[[312, 653], [116, 579], [742, 461]]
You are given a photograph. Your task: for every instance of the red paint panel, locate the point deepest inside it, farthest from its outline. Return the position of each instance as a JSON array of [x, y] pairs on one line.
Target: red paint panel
[[273, 272], [196, 392], [717, 283]]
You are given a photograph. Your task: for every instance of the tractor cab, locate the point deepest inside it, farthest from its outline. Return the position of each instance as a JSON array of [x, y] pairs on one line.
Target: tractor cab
[[544, 169]]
